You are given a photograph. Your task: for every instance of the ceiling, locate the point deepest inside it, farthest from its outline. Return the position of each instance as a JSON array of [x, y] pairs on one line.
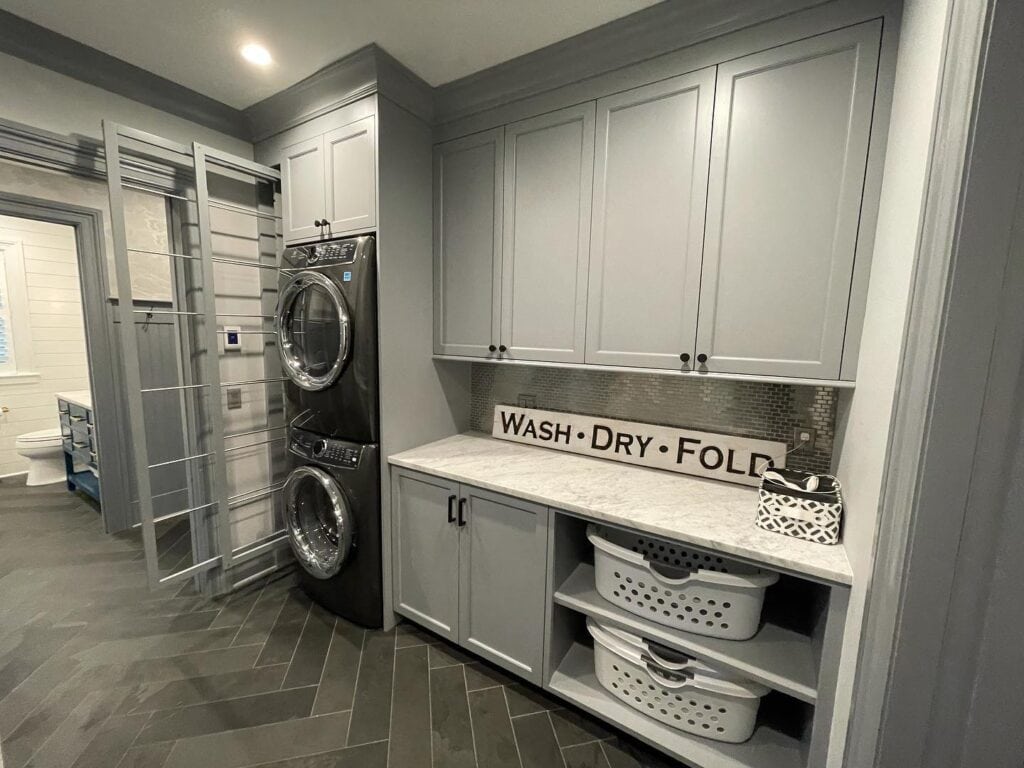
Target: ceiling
[[195, 42]]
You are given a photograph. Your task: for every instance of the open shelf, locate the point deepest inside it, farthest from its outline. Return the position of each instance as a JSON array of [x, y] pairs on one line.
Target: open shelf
[[576, 681], [776, 656]]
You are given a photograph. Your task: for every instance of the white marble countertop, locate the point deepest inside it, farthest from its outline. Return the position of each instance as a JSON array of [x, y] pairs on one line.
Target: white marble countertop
[[80, 397], [705, 513]]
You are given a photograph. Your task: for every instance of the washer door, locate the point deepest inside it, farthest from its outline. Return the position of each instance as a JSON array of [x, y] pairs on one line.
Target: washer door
[[320, 523], [314, 330]]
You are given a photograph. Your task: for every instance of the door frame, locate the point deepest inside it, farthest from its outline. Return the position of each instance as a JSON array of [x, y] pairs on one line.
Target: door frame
[[111, 435], [939, 672]]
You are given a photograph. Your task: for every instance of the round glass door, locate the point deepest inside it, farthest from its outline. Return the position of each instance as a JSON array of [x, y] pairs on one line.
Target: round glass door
[[313, 330], [320, 526]]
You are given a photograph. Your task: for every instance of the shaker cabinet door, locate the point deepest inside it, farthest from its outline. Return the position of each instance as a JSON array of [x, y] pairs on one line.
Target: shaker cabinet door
[[350, 156], [650, 188], [504, 565], [549, 165], [425, 551], [788, 155], [467, 244], [302, 189]]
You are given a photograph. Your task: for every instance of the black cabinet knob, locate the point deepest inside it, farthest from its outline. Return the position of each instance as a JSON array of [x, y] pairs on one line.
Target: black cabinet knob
[[492, 348], [317, 223], [685, 357], [503, 348], [702, 358]]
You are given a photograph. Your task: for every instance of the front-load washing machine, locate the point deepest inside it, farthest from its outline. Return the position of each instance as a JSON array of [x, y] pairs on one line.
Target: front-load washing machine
[[332, 512], [327, 335]]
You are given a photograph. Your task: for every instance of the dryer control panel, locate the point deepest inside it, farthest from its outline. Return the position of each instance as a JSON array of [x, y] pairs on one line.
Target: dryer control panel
[[323, 450]]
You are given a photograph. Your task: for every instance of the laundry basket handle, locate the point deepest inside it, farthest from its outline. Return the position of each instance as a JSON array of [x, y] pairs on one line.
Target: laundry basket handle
[[681, 662], [676, 681]]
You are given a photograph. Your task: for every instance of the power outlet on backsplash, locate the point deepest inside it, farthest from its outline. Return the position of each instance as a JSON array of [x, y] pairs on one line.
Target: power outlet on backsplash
[[527, 401], [803, 436]]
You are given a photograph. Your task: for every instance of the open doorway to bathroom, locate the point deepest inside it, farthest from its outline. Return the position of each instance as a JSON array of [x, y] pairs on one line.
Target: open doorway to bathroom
[[44, 365]]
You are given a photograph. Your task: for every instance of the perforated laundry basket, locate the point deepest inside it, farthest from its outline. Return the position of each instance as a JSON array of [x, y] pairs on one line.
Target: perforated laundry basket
[[678, 586], [685, 694]]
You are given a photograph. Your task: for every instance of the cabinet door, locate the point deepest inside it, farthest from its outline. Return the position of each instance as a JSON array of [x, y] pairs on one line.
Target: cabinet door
[[503, 565], [425, 551], [467, 244], [351, 159], [549, 168], [650, 188], [302, 189], [788, 154]]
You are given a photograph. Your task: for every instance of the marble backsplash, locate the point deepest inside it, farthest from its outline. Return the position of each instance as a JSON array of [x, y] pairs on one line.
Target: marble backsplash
[[750, 409]]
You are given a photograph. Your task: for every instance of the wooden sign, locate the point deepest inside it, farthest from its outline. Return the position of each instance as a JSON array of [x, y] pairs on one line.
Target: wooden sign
[[706, 454]]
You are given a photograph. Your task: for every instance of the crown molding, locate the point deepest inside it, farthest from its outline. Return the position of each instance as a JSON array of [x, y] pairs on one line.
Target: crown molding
[[646, 34], [362, 73], [38, 45]]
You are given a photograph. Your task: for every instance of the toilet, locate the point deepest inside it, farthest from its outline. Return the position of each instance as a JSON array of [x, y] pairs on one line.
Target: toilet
[[44, 450]]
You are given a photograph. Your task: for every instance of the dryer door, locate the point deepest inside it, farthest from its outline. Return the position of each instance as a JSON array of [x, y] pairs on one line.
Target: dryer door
[[319, 521], [314, 330]]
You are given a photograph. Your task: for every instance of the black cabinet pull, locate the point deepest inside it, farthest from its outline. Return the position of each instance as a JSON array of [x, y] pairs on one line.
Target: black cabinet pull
[[702, 358], [317, 223], [492, 348], [451, 508], [503, 348], [685, 357], [462, 512]]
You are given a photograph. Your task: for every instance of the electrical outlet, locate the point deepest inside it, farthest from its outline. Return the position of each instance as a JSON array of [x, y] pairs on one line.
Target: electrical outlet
[[234, 398], [527, 401], [803, 436]]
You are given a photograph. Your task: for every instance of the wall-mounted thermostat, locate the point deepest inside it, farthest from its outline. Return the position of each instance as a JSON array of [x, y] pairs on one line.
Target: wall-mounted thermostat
[[232, 338]]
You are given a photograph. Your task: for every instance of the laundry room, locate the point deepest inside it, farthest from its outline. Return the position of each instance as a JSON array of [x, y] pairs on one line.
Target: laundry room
[[488, 385]]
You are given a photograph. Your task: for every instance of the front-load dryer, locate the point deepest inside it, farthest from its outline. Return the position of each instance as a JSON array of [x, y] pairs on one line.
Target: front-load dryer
[[332, 513], [326, 325]]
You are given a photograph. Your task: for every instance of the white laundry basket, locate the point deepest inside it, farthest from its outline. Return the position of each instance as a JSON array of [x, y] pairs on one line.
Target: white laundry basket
[[678, 586], [682, 693]]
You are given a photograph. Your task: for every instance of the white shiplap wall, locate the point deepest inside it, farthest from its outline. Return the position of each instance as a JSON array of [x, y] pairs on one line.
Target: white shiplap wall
[[56, 329]]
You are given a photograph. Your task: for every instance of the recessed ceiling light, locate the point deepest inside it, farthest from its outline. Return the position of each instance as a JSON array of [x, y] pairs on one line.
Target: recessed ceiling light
[[256, 54]]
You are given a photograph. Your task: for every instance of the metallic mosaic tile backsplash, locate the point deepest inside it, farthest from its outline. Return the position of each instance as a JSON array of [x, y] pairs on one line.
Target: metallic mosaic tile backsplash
[[751, 409]]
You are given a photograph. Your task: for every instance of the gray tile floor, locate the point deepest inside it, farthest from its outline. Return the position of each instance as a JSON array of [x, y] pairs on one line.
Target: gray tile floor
[[96, 671]]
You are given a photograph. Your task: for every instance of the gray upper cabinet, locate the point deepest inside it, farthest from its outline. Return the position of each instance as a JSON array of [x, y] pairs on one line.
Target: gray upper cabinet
[[549, 163], [331, 177], [425, 551], [788, 156], [650, 188], [351, 187], [467, 244], [302, 188], [503, 561]]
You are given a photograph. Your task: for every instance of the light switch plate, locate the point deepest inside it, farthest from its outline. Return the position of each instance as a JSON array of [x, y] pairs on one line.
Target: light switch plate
[[232, 337], [234, 395]]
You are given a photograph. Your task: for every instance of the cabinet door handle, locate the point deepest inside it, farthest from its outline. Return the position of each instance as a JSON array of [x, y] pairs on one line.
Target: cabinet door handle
[[503, 348], [462, 512], [702, 358], [492, 348], [451, 508], [685, 357]]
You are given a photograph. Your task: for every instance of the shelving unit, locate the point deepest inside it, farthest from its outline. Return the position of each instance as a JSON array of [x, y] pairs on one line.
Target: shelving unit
[[575, 681], [777, 657]]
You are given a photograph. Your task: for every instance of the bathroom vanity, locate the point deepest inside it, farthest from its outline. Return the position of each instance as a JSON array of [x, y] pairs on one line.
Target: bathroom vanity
[[78, 431]]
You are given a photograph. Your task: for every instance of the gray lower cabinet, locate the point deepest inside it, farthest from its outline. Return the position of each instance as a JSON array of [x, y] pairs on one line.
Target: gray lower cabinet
[[468, 176], [788, 156], [471, 566], [425, 549], [503, 565], [549, 168], [650, 187]]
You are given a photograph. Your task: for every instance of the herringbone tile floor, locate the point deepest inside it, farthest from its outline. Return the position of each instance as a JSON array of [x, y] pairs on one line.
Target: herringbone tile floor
[[96, 671]]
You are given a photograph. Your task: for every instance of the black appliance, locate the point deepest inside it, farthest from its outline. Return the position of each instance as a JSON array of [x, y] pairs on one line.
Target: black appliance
[[333, 516]]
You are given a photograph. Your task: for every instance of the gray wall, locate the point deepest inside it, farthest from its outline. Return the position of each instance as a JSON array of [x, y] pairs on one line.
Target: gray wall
[[751, 409]]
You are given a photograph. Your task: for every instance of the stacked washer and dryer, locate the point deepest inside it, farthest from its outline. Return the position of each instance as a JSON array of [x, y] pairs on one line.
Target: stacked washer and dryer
[[327, 335]]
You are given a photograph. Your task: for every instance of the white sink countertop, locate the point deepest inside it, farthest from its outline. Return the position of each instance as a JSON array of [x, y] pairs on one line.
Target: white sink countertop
[[704, 513], [81, 397]]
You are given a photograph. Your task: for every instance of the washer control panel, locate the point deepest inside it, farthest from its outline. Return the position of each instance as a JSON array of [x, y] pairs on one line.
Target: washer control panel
[[323, 450], [341, 252]]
